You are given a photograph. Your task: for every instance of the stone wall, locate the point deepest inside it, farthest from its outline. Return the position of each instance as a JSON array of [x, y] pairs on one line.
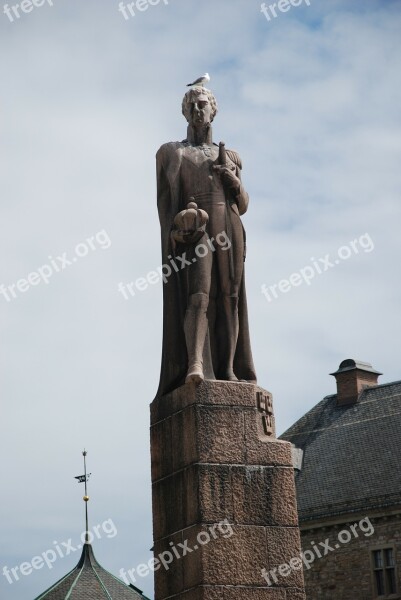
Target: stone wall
[[345, 572]]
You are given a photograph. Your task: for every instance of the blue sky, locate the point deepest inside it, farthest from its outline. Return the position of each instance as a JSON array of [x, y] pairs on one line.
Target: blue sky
[[311, 102]]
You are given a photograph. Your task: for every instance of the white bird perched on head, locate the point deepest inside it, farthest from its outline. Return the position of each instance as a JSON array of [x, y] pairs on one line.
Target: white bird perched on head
[[200, 81]]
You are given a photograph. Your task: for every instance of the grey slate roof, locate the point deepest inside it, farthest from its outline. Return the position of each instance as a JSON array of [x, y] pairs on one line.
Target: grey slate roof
[[89, 581], [351, 454]]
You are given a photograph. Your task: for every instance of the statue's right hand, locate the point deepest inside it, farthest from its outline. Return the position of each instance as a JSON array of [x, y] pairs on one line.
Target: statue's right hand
[[187, 219], [190, 224]]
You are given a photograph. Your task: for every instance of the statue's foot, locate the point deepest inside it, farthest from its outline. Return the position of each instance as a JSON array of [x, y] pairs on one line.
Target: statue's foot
[[195, 375], [230, 376]]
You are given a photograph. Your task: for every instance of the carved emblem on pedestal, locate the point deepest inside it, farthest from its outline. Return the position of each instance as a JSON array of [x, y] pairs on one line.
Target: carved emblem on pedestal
[[264, 403]]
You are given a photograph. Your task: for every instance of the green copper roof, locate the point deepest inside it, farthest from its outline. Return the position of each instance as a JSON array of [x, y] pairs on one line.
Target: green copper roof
[[89, 581]]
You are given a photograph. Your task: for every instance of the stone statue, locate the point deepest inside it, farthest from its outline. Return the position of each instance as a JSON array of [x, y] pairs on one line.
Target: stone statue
[[200, 199]]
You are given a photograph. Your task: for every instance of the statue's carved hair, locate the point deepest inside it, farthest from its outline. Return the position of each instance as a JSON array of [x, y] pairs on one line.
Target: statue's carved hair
[[188, 100]]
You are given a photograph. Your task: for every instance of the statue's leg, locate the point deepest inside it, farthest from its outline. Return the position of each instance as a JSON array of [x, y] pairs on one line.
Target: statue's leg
[[212, 316], [195, 329], [196, 322], [230, 283], [229, 310]]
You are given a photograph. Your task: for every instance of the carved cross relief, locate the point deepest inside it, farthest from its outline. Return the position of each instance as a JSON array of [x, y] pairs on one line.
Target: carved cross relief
[[264, 403]]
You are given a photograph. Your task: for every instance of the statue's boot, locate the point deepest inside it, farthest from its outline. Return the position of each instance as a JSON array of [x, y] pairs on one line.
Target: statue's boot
[[231, 324], [195, 329]]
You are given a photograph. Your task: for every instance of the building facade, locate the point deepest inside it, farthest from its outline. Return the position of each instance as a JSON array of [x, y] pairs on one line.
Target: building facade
[[347, 458]]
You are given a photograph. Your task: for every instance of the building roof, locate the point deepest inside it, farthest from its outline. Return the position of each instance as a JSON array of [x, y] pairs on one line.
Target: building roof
[[89, 581], [351, 454]]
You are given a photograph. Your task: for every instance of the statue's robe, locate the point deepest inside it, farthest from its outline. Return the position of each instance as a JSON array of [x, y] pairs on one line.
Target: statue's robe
[[174, 362]]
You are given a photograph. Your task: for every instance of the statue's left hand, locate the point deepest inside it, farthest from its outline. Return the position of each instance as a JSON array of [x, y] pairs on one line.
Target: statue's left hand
[[228, 176]]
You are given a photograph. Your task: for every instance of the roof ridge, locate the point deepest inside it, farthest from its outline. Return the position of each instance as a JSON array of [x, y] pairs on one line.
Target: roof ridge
[[323, 403], [131, 589], [80, 571], [379, 385], [46, 592], [101, 582]]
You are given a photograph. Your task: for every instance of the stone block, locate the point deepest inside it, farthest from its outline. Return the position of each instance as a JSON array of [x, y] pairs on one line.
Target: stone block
[[293, 594], [161, 449], [235, 558], [223, 393], [201, 593], [185, 438], [193, 594], [220, 434], [237, 593], [215, 494], [283, 544], [261, 449], [200, 493], [169, 497], [264, 495], [283, 497], [211, 434], [169, 578]]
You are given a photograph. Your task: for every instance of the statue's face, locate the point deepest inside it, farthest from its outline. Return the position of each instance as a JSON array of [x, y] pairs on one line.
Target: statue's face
[[201, 111]]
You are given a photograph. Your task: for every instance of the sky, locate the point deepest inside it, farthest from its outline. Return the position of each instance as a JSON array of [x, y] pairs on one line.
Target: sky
[[310, 99]]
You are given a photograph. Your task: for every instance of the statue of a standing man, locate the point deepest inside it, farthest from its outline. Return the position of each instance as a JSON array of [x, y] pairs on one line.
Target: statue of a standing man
[[205, 320]]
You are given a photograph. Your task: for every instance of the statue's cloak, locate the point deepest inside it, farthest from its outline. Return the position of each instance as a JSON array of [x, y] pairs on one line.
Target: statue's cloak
[[174, 362]]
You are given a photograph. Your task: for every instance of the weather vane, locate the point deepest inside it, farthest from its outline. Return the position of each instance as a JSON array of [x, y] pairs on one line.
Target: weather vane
[[84, 479]]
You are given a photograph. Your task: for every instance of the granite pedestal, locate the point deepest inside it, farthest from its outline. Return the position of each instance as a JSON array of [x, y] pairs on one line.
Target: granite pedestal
[[224, 502]]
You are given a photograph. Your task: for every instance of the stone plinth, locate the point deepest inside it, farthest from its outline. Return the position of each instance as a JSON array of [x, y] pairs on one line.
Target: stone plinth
[[223, 496]]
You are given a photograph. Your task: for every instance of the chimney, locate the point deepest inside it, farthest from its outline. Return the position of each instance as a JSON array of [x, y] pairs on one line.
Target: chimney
[[352, 377]]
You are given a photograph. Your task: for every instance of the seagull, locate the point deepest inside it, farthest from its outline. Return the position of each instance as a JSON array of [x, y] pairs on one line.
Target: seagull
[[200, 81]]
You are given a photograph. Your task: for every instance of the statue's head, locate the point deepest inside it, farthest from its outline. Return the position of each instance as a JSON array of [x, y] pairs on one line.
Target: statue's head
[[199, 106]]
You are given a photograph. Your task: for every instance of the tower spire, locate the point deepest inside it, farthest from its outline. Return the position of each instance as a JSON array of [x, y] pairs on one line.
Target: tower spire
[[86, 499], [84, 479]]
